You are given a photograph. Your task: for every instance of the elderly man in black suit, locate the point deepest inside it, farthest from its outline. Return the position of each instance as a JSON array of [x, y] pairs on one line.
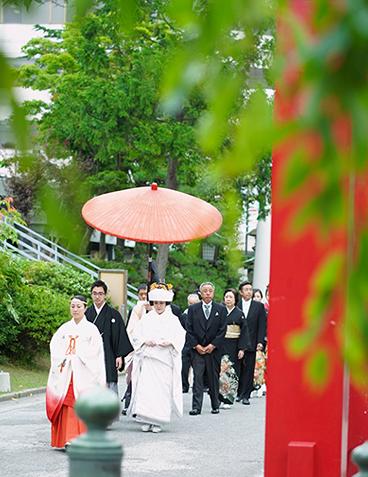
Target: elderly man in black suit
[[255, 315], [206, 328]]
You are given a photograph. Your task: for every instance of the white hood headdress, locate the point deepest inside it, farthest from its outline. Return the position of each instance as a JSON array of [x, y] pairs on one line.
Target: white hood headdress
[[160, 294]]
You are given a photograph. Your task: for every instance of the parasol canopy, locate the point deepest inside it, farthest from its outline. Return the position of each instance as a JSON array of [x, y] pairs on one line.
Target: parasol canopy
[[152, 215]]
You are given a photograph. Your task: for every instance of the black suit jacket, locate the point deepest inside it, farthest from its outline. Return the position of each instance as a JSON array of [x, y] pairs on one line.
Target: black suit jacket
[[204, 332], [256, 320]]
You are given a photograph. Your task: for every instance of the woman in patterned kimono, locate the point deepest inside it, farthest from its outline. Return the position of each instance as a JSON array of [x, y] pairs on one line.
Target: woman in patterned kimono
[[236, 341], [77, 365]]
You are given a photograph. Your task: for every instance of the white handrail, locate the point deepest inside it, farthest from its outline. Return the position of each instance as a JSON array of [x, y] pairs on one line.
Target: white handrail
[[29, 232], [35, 246]]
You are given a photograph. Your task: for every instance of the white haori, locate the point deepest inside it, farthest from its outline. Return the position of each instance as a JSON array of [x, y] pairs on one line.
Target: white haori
[[74, 349], [156, 376]]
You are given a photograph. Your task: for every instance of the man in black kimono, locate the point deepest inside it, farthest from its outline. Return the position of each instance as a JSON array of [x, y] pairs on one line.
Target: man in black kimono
[[112, 328], [255, 315], [206, 327]]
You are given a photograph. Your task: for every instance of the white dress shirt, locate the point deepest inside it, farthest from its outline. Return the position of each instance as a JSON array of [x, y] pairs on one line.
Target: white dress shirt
[[246, 306], [208, 306]]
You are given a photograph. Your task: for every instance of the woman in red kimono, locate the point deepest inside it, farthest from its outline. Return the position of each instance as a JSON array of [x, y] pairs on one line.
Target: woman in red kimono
[[77, 365]]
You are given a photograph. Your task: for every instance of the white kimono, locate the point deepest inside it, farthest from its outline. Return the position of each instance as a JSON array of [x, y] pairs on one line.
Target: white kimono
[[137, 312], [156, 376], [78, 349]]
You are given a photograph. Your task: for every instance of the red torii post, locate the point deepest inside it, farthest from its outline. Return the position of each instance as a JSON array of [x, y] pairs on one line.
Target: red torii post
[[308, 433]]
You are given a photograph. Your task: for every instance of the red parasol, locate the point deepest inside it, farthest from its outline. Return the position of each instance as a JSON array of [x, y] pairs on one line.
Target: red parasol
[[152, 215]]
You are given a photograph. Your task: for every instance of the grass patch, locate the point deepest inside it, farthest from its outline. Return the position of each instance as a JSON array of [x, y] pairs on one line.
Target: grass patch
[[24, 377]]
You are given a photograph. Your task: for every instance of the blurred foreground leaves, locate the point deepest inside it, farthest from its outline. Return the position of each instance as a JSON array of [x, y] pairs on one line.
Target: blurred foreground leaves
[[325, 98], [106, 73], [325, 117]]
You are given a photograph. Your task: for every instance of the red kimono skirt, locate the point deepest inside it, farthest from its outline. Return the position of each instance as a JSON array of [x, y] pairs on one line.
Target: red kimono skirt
[[66, 425]]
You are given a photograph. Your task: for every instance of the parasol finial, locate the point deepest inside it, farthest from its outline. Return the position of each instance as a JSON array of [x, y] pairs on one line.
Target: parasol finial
[[154, 186]]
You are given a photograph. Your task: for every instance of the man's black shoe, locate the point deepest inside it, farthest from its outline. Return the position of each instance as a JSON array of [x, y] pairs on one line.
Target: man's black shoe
[[185, 390], [246, 401], [194, 412], [238, 399], [215, 411], [124, 412]]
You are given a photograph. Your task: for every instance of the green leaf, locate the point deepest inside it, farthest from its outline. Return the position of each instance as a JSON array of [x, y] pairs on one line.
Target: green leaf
[[213, 125], [298, 169], [81, 7], [325, 280], [299, 342], [318, 368]]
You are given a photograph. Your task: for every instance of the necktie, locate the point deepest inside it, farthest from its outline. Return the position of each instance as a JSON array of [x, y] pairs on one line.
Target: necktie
[[207, 311]]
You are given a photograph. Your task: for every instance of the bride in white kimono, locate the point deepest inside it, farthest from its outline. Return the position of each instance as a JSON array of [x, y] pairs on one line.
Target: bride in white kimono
[[158, 340]]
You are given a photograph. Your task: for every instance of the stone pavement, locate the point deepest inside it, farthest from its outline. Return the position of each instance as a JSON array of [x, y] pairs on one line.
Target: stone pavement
[[229, 444]]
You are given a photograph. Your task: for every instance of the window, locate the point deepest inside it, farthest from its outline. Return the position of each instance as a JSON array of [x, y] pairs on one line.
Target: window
[[48, 12]]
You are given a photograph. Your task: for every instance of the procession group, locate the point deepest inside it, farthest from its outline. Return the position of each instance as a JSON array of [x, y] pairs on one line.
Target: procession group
[[157, 349]]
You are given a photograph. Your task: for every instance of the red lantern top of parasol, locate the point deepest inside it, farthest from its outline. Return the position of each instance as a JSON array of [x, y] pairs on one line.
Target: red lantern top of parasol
[[152, 215]]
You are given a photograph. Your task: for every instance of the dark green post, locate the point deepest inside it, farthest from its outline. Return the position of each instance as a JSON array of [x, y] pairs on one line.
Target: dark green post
[[94, 454], [360, 459]]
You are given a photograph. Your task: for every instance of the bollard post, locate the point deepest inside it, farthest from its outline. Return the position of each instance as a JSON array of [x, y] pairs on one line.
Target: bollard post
[[360, 459], [4, 382], [94, 454]]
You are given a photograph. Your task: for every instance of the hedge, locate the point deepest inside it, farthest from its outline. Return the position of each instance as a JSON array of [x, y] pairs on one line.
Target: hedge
[[35, 303]]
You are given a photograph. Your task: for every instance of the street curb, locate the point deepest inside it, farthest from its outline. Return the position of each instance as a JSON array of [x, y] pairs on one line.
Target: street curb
[[20, 394], [31, 392]]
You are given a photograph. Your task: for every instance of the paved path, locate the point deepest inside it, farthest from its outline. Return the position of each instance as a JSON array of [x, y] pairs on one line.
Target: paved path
[[229, 444]]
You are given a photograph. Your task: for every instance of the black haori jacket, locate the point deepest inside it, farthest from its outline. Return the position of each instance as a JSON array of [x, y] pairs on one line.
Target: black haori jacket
[[114, 336]]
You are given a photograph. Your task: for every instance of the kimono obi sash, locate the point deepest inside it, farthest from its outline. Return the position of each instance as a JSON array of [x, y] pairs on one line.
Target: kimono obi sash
[[232, 331]]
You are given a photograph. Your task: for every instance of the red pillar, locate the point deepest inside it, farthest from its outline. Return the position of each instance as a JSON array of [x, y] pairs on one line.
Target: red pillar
[[309, 433]]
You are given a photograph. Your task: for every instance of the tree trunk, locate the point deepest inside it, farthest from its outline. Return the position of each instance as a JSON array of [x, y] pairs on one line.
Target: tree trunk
[[163, 249], [172, 180], [102, 249], [162, 260]]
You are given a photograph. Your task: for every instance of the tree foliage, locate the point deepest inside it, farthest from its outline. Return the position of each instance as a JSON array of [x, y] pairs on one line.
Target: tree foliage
[[104, 111], [107, 118]]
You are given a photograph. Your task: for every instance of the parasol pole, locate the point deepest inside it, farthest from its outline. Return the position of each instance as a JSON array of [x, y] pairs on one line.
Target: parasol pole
[[150, 270], [154, 186]]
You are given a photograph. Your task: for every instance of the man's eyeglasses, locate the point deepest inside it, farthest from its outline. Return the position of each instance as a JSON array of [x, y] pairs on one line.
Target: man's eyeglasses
[[98, 293]]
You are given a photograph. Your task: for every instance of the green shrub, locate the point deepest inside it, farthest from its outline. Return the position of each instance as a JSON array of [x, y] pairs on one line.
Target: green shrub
[[35, 301], [41, 312], [187, 271], [11, 283], [9, 331], [59, 278]]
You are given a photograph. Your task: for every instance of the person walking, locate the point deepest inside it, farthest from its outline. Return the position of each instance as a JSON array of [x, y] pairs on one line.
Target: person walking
[[158, 339], [256, 318], [77, 365], [140, 308], [236, 342], [112, 329], [257, 295], [186, 353], [206, 328]]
